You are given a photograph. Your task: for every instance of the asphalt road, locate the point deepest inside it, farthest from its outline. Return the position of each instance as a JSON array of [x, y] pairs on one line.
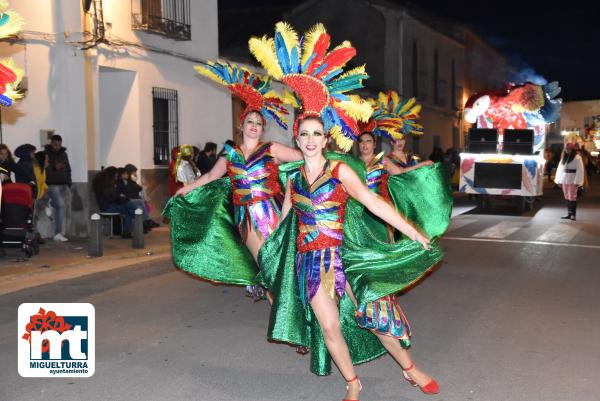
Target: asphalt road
[[512, 315]]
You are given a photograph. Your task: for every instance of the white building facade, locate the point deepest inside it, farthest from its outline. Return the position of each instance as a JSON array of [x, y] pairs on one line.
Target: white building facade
[[114, 78]]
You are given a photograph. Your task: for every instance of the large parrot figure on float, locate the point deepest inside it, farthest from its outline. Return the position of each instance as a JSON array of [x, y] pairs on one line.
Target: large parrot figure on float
[[526, 106]]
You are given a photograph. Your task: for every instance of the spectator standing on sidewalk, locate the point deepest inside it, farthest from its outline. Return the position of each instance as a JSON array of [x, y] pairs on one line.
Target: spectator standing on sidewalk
[[24, 168], [207, 158], [570, 176], [58, 178]]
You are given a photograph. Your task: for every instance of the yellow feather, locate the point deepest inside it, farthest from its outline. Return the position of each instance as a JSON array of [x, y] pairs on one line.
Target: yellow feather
[[357, 108], [357, 70], [263, 50], [289, 98], [395, 98], [3, 6], [290, 37], [13, 26], [342, 142], [407, 106], [273, 94], [416, 110], [345, 43], [202, 70], [382, 99], [310, 39]]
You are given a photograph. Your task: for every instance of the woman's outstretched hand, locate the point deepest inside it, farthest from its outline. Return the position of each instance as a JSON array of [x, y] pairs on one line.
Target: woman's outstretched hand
[[423, 240], [183, 191]]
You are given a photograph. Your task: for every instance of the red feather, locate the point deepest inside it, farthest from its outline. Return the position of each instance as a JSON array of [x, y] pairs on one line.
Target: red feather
[[320, 49], [350, 122], [336, 59]]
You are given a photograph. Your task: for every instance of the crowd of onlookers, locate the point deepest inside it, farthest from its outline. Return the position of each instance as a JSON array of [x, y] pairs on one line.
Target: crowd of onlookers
[[117, 191], [47, 171]]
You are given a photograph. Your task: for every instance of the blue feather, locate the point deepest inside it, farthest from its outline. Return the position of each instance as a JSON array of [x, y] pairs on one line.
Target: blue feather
[[282, 53], [305, 66], [294, 61], [318, 70], [332, 75]]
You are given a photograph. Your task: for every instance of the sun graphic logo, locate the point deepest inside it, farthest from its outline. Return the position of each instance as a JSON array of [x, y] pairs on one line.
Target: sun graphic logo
[[56, 340]]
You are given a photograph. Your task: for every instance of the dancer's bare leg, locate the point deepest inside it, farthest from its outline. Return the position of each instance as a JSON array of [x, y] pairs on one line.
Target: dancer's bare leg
[[326, 311], [400, 355], [253, 243]]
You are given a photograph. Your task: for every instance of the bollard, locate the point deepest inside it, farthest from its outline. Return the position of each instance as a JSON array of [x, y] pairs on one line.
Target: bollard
[[95, 245], [137, 233]]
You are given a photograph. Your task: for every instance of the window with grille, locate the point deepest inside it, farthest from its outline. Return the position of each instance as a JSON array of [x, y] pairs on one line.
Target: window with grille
[[165, 123], [170, 18]]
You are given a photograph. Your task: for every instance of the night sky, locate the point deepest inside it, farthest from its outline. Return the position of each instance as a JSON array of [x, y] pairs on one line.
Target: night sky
[[558, 43]]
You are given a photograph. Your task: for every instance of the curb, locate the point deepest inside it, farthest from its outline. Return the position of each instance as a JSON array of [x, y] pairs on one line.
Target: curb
[[21, 281]]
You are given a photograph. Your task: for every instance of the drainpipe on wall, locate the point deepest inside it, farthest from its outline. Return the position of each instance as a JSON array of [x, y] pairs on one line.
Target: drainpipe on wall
[[88, 76]]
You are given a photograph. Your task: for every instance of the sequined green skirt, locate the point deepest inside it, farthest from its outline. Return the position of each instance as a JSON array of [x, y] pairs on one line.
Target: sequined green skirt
[[204, 239]]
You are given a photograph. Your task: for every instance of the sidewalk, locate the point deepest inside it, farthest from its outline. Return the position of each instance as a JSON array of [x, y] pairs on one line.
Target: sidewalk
[[64, 260]]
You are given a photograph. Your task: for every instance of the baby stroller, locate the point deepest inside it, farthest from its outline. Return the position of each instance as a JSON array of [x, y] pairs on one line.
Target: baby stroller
[[17, 228]]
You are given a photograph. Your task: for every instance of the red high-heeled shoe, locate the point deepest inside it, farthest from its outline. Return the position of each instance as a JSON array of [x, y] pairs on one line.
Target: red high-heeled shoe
[[430, 388], [355, 378]]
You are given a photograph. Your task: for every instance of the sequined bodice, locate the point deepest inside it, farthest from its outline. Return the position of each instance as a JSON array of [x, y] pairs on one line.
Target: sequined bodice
[[253, 179], [320, 208], [377, 176]]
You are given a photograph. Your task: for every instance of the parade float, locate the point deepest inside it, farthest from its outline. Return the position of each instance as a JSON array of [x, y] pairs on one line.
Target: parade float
[[505, 151]]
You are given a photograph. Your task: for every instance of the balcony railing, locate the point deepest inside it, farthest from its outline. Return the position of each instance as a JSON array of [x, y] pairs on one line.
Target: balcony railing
[[170, 18]]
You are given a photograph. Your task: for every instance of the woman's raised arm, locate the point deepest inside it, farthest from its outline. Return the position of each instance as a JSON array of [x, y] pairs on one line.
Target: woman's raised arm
[[380, 208], [285, 154]]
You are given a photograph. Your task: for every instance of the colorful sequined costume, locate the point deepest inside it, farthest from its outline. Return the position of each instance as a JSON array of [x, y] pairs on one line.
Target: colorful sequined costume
[[305, 251], [377, 177], [257, 195], [383, 315], [372, 266], [210, 224], [320, 208]]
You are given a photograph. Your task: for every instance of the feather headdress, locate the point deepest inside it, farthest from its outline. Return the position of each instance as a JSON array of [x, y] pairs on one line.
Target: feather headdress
[[253, 89], [317, 78], [10, 21], [393, 118], [10, 78], [10, 74]]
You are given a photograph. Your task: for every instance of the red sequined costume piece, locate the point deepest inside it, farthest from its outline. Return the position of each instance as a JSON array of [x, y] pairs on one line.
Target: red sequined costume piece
[[320, 209]]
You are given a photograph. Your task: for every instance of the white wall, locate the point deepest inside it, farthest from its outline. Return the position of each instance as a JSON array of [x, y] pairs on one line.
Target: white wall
[[119, 139], [56, 97], [204, 108]]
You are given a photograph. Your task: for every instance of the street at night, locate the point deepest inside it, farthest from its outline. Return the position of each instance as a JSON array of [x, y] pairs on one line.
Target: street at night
[[285, 200], [503, 318]]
